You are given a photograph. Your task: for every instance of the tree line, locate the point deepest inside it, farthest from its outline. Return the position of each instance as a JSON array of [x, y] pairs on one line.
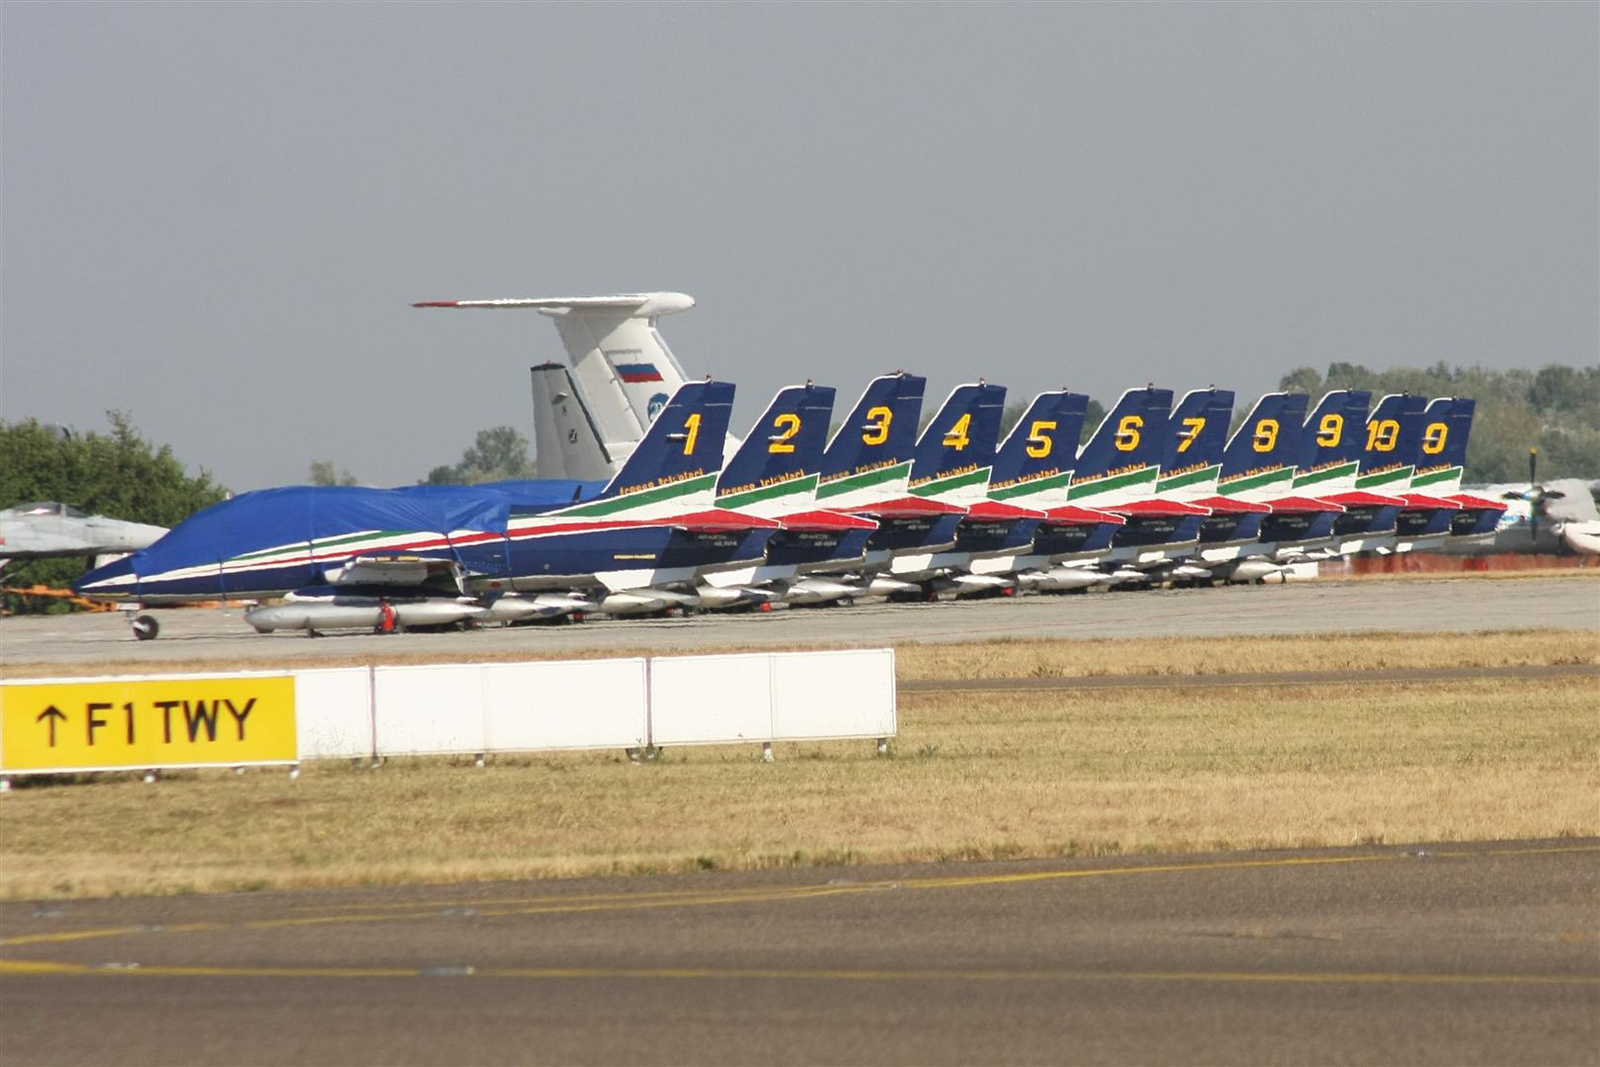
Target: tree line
[[118, 474], [1555, 409]]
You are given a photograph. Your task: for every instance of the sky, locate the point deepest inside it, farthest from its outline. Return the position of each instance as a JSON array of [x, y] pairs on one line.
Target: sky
[[215, 216]]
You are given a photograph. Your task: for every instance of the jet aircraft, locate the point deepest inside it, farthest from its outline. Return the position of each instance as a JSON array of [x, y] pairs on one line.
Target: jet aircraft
[[48, 529]]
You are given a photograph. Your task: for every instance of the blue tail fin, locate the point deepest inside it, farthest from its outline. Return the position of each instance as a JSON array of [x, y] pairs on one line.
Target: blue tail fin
[[685, 441], [782, 449], [881, 430], [1268, 439], [1334, 433], [1447, 424], [1131, 434], [1197, 430], [1394, 435], [1043, 443], [961, 438]]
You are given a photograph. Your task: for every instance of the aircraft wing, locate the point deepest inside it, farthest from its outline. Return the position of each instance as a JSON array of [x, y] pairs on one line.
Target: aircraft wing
[[399, 571], [1582, 536]]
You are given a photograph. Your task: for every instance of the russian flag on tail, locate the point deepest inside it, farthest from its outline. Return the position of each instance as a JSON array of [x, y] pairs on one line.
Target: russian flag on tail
[[638, 372]]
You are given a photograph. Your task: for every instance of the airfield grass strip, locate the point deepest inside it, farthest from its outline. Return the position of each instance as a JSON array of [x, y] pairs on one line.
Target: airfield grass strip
[[1344, 574], [1169, 657], [1008, 657], [971, 776]]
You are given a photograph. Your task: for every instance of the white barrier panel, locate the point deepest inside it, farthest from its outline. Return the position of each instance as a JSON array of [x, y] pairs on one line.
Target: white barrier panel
[[703, 700], [79, 724], [708, 700], [585, 704], [822, 695], [333, 709], [435, 710]]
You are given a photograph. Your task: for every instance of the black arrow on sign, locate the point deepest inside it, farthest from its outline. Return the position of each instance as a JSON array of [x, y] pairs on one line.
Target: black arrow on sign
[[54, 714]]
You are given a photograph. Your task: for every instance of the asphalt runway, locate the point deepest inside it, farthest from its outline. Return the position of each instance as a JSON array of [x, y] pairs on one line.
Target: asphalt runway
[[1415, 605], [1447, 954]]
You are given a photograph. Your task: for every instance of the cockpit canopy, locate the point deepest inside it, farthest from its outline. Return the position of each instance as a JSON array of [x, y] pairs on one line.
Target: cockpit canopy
[[47, 507]]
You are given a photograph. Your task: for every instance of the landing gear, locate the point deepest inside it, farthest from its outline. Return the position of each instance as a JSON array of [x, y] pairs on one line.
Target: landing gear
[[145, 628]]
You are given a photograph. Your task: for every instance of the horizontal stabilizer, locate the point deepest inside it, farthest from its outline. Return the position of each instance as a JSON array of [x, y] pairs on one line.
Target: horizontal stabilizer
[[1468, 500], [1072, 515], [722, 520], [1359, 499], [995, 511], [1157, 507], [826, 522], [1418, 502], [1294, 504], [636, 305], [1227, 505], [910, 507]]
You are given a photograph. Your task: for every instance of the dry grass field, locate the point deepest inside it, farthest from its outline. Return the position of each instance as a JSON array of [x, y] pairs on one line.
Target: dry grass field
[[971, 775]]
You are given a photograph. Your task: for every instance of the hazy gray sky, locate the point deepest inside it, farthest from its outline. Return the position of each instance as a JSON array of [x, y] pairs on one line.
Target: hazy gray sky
[[215, 215]]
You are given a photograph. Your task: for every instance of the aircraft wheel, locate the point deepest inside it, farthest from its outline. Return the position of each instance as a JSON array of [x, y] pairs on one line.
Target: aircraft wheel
[[145, 628]]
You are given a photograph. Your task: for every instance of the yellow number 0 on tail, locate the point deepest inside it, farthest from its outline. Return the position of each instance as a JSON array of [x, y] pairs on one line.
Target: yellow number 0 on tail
[[1382, 435]]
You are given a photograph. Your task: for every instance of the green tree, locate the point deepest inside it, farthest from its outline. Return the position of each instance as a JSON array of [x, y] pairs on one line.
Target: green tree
[[1093, 415], [1556, 409], [444, 475], [1558, 388], [118, 474], [322, 473], [1302, 380], [1009, 416], [498, 453]]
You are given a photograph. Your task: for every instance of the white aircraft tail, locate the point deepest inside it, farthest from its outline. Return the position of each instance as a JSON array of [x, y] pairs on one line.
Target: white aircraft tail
[[566, 441], [621, 366]]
